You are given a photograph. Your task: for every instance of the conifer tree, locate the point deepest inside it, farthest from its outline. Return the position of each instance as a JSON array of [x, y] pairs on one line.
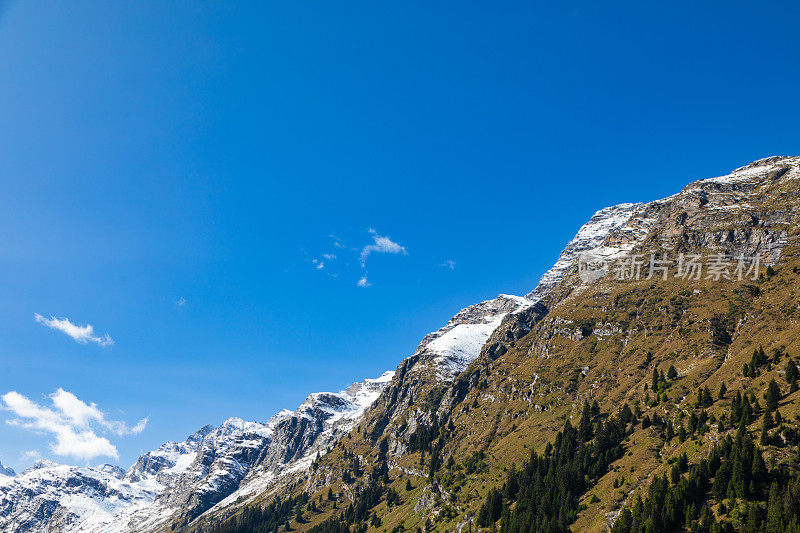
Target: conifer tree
[[765, 425], [773, 395], [774, 510], [672, 373], [792, 374]]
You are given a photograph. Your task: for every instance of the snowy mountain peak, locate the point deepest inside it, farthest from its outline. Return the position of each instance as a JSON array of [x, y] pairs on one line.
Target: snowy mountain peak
[[451, 348], [5, 471], [614, 231], [347, 404], [114, 470], [592, 238], [40, 464], [178, 481], [235, 426]]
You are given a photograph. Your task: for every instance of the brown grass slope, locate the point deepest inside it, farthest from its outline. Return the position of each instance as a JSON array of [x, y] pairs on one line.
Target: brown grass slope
[[597, 342]]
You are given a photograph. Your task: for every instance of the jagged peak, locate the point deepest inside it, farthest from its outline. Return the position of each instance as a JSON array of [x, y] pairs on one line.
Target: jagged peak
[[354, 397], [590, 237], [235, 425], [42, 464], [114, 470], [6, 471], [451, 348], [599, 235], [771, 160], [757, 171]]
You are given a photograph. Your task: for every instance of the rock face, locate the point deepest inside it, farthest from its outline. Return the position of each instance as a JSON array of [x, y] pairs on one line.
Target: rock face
[[591, 239], [742, 213], [217, 469], [446, 352], [179, 481]]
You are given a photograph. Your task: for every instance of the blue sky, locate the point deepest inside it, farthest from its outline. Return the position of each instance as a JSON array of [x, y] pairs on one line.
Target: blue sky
[[171, 171]]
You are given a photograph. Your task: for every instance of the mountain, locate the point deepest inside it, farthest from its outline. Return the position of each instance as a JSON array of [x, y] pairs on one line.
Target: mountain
[[232, 463], [426, 446], [435, 447], [180, 480]]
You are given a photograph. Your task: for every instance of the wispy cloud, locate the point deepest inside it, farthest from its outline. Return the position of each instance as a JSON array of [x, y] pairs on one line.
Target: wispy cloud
[[448, 264], [81, 334], [381, 244], [341, 257], [319, 264], [337, 242], [72, 423]]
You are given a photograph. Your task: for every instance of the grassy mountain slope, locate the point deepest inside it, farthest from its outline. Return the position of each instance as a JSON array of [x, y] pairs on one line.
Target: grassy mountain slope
[[429, 452]]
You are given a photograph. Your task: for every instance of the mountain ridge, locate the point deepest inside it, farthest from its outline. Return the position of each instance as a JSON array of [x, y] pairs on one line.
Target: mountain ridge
[[444, 369]]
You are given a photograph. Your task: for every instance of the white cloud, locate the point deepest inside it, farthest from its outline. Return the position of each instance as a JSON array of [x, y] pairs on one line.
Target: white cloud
[[381, 244], [337, 242], [81, 334], [449, 264], [363, 281], [72, 423], [319, 264]]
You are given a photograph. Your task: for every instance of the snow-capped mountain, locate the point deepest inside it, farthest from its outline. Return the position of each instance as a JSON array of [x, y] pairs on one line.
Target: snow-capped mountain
[[590, 239], [232, 463], [5, 471], [181, 480], [221, 467], [705, 204], [451, 348]]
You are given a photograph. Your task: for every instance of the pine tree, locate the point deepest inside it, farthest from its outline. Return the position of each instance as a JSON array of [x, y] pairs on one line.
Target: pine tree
[[773, 395], [670, 432], [768, 421], [765, 425], [722, 390], [792, 374], [774, 510], [747, 412], [707, 399], [672, 373]]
